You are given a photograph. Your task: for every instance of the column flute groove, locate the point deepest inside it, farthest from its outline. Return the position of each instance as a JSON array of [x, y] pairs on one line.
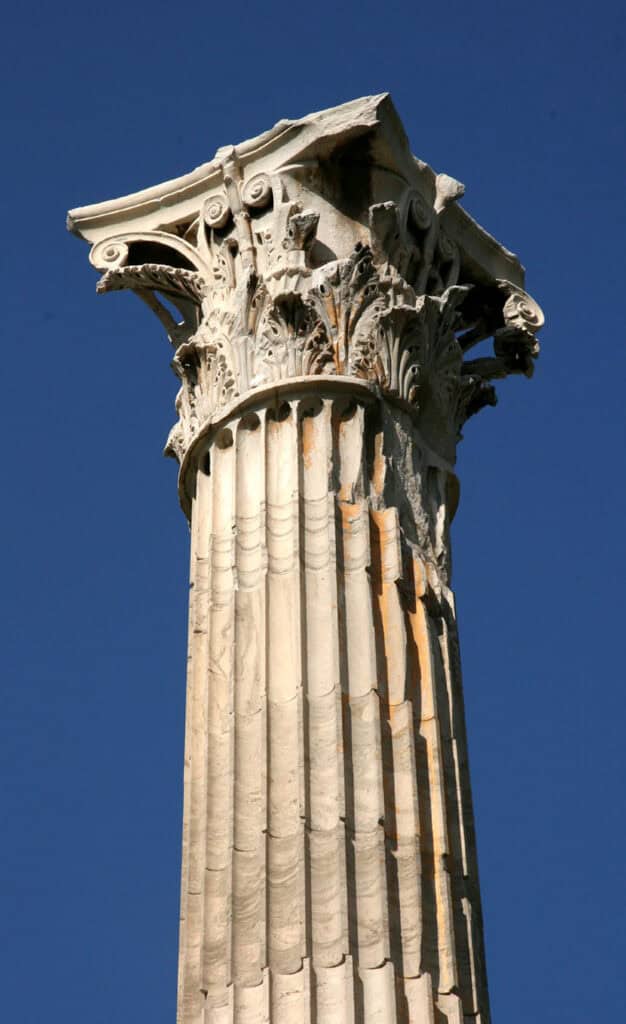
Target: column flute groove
[[285, 831], [321, 679], [189, 698], [193, 934], [250, 778], [219, 807]]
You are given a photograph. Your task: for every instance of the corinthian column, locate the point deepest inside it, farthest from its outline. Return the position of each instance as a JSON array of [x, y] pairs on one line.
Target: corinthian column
[[322, 291]]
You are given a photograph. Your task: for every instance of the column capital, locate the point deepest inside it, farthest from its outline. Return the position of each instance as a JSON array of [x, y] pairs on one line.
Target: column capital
[[320, 248]]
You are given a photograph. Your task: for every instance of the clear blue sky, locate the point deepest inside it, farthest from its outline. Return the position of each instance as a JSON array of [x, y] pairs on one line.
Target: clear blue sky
[[525, 104]]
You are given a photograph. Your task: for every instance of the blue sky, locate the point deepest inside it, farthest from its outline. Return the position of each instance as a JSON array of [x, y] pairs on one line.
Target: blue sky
[[525, 104]]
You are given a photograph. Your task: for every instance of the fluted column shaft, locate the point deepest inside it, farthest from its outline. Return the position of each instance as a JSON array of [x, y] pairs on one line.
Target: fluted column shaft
[[328, 302], [329, 870]]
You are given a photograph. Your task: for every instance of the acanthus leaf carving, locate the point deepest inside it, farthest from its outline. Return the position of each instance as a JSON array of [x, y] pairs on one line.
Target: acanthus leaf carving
[[205, 367], [184, 284], [342, 293], [400, 310], [389, 353], [290, 340]]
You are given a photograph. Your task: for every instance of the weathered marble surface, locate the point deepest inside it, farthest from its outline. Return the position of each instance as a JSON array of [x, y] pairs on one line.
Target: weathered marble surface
[[329, 291]]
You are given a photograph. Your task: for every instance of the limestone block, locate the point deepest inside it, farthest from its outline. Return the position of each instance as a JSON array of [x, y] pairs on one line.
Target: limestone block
[[251, 1003], [362, 726], [357, 600], [417, 996], [283, 768], [334, 994], [379, 997], [367, 895], [404, 885], [285, 903], [341, 748], [426, 698], [387, 570], [283, 650], [250, 782], [221, 1011], [348, 426], [288, 995], [448, 975], [399, 778], [328, 947], [450, 1009], [393, 661], [467, 957], [217, 942], [318, 556], [249, 668], [323, 762], [429, 730], [219, 805], [320, 622], [248, 893], [250, 502]]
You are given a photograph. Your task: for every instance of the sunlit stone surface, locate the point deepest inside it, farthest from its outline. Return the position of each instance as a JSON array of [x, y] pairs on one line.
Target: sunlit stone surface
[[323, 292]]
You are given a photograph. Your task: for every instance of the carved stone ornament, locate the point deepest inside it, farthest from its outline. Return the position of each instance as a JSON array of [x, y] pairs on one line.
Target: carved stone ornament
[[320, 248]]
